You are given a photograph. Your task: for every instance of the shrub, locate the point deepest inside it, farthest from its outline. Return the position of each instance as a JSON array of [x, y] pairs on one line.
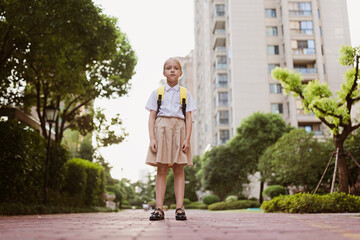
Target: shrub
[[239, 204], [173, 206], [308, 203], [197, 205], [22, 163], [231, 198], [210, 199], [274, 191], [186, 201], [84, 181]]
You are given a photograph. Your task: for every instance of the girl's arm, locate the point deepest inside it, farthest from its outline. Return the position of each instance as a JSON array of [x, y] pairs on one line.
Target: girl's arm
[[186, 144], [151, 124]]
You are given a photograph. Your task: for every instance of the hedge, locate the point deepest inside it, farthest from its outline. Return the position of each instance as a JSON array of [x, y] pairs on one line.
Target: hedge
[[22, 164], [239, 204], [210, 199], [84, 182], [192, 205], [309, 203], [22, 209], [274, 191]]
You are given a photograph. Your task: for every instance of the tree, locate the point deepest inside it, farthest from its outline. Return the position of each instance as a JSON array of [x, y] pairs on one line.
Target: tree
[[69, 53], [255, 134], [333, 111], [297, 159], [192, 183], [223, 171]]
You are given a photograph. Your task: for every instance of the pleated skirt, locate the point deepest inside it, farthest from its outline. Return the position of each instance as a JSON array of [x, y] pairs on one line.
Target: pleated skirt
[[170, 133]]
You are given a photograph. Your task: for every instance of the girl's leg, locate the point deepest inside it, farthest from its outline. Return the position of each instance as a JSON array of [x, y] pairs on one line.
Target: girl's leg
[[179, 184], [160, 188]]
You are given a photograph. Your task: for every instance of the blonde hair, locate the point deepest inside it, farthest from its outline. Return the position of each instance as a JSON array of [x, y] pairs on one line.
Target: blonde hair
[[176, 60]]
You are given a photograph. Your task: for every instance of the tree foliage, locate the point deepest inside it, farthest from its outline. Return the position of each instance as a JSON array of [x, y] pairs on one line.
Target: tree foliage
[[63, 52], [333, 110], [223, 172], [296, 159]]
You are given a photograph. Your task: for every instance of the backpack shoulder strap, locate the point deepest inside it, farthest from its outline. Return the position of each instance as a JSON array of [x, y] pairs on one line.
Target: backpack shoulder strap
[[183, 99], [160, 97]]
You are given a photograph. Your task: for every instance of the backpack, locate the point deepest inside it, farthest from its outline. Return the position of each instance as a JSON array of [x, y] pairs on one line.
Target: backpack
[[183, 99]]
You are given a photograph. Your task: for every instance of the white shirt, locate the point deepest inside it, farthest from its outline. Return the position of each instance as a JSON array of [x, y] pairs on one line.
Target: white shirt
[[170, 106]]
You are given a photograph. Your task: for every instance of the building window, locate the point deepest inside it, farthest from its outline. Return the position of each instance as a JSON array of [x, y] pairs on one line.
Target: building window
[[302, 27], [222, 99], [271, 31], [221, 62], [224, 136], [277, 108], [219, 10], [272, 67], [222, 117], [221, 80], [273, 50], [300, 9], [275, 88], [306, 47], [270, 12]]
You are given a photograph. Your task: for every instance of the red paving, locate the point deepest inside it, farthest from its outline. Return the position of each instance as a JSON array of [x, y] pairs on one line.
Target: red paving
[[134, 224]]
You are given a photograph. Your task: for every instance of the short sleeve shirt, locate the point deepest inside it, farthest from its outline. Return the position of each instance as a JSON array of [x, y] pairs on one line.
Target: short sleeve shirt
[[170, 106]]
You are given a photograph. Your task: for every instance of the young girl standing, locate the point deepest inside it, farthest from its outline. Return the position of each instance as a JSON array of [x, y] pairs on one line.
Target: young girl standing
[[170, 131]]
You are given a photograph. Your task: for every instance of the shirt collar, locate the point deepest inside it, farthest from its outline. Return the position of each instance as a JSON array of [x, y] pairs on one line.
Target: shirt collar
[[176, 87]]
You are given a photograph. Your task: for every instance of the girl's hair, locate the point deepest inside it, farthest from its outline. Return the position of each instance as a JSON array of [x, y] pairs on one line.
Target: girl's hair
[[176, 60]]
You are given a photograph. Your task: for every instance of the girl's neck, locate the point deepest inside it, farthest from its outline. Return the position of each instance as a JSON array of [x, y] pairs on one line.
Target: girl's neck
[[172, 84]]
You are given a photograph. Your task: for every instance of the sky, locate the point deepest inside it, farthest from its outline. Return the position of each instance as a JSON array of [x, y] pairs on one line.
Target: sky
[[157, 30]]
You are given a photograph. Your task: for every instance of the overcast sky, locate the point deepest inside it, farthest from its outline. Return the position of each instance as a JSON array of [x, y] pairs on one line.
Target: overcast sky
[[157, 30]]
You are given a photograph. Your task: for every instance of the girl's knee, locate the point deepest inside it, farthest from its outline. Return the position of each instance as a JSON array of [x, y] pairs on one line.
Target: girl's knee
[[162, 170], [177, 168]]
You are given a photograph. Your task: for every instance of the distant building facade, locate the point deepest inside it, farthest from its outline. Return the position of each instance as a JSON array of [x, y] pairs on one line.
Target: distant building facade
[[239, 42]]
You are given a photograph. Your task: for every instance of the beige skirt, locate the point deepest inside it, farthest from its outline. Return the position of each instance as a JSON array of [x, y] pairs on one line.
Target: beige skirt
[[170, 133]]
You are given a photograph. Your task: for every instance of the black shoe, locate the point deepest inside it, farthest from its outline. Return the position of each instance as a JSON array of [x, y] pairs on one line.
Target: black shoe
[[180, 215], [155, 216]]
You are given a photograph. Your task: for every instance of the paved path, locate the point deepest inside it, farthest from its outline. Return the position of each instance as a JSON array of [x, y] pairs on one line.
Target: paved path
[[134, 224]]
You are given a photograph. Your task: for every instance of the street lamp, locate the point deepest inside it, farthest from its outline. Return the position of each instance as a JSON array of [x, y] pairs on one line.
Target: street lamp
[[51, 114]]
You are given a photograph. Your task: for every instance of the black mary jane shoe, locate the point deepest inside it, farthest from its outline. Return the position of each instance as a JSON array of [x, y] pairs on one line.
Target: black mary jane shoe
[[155, 216], [180, 215]]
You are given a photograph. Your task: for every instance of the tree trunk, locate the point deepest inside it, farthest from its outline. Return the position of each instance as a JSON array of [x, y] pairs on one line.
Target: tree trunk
[[342, 165], [261, 190]]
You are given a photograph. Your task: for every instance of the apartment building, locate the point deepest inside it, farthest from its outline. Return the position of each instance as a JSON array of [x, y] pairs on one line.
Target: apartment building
[[239, 42]]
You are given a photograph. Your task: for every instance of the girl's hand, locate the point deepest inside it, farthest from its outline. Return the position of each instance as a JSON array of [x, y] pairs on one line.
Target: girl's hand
[[153, 145], [185, 146]]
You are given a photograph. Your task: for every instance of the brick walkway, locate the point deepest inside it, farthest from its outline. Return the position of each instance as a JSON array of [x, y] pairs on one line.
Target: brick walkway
[[134, 224]]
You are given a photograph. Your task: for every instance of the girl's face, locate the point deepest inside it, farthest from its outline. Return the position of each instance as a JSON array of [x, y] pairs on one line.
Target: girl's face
[[172, 72]]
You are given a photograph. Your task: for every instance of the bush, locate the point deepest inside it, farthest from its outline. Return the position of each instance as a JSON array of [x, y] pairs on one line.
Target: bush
[[274, 191], [197, 205], [193, 205], [21, 209], [239, 204], [84, 182], [186, 201], [210, 199], [308, 203], [231, 198], [22, 163]]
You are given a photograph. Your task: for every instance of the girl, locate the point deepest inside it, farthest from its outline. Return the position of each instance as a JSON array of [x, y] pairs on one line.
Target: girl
[[170, 137]]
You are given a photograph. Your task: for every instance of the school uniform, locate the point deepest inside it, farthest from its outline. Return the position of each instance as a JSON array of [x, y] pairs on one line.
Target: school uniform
[[170, 129]]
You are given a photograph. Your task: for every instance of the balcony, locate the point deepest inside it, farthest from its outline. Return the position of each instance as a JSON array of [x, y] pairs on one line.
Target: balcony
[[220, 48], [300, 13], [306, 70], [221, 66], [297, 31], [303, 51]]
